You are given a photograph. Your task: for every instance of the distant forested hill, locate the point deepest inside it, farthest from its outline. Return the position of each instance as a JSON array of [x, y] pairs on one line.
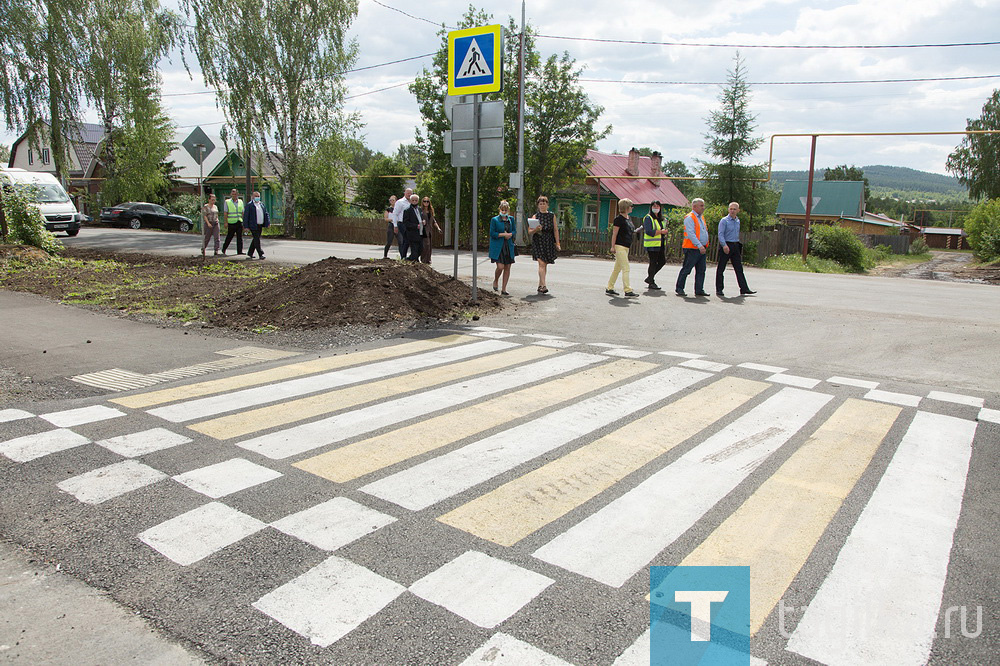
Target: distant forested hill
[[888, 179]]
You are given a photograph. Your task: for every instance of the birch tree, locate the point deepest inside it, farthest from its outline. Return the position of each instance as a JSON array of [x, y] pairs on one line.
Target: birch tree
[[278, 66]]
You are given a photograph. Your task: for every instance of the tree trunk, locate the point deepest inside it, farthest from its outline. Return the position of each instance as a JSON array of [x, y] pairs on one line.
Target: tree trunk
[[3, 218]]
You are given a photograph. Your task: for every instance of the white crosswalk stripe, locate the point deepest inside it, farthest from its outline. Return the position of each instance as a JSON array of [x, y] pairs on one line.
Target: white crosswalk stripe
[[428, 483], [204, 407], [586, 490], [891, 571], [613, 544], [328, 431]]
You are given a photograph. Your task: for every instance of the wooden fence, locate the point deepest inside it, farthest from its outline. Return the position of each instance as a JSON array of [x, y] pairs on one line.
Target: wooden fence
[[899, 244], [345, 230]]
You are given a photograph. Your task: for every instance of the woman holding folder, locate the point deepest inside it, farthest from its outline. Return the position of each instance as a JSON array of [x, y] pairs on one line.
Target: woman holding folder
[[544, 240]]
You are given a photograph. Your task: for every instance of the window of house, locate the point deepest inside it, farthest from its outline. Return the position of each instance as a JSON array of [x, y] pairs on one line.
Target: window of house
[[564, 211], [590, 218], [31, 156], [45, 155]]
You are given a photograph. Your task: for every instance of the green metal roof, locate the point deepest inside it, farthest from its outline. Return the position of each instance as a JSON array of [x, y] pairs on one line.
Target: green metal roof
[[834, 198]]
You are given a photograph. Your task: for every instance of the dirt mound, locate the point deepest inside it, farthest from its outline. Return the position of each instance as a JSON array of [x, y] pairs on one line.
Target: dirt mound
[[335, 292], [25, 253]]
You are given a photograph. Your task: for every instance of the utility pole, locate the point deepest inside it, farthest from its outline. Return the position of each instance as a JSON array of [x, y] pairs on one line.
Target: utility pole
[[520, 138], [809, 198]]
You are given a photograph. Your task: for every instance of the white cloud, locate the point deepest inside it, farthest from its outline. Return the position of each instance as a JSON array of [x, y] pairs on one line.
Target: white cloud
[[672, 118]]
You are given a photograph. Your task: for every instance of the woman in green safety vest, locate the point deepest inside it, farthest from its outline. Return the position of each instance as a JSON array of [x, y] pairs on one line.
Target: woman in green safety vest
[[654, 238]]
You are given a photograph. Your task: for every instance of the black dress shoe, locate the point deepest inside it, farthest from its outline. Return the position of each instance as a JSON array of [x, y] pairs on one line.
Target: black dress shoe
[[702, 293], [680, 292], [654, 286], [747, 292], [720, 294]]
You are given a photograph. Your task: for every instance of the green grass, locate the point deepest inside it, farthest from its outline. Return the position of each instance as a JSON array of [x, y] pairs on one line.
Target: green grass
[[907, 259], [793, 262]]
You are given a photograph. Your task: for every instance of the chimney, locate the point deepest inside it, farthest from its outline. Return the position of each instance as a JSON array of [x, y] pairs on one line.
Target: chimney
[[657, 161], [633, 162]]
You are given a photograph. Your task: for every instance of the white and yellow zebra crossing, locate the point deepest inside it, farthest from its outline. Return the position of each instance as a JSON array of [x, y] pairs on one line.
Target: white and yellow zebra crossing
[[516, 443]]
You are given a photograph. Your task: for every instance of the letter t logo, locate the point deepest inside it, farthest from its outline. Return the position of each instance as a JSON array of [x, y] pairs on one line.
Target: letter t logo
[[701, 610]]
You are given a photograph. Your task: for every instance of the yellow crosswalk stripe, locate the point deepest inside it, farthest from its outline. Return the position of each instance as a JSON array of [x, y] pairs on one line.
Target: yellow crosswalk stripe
[[375, 453], [776, 529], [283, 413], [214, 386], [528, 503]]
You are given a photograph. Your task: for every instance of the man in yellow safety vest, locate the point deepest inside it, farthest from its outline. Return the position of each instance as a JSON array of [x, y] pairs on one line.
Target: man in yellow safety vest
[[234, 218]]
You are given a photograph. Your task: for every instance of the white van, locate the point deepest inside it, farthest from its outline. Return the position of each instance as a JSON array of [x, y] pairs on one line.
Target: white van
[[54, 204]]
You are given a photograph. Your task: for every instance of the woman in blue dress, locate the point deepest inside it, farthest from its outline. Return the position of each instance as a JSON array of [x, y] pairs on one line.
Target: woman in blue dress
[[502, 230]]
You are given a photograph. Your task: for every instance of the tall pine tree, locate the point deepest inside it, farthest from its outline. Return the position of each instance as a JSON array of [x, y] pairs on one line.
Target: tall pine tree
[[731, 141]]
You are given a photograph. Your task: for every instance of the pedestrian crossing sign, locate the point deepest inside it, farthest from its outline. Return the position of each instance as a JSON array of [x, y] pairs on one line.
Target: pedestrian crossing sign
[[475, 60]]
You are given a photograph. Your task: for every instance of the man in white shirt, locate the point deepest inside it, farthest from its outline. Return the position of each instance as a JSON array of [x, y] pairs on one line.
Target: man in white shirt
[[397, 220]]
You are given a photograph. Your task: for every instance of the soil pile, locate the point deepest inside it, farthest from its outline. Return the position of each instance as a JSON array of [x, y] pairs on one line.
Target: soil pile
[[337, 292], [23, 253]]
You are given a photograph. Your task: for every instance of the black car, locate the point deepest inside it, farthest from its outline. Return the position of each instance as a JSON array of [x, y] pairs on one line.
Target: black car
[[138, 215]]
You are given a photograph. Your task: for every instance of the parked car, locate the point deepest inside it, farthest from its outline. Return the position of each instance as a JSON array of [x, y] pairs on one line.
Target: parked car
[[54, 205], [137, 214]]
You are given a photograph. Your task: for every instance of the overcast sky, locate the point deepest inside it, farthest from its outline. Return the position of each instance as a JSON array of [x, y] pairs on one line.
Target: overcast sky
[[671, 118]]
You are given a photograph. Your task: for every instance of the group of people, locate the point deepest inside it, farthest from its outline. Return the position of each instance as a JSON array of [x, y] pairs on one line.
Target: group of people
[[254, 218], [411, 222], [695, 246]]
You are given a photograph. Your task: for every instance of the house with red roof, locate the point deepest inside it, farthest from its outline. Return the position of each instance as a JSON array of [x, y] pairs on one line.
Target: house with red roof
[[610, 178]]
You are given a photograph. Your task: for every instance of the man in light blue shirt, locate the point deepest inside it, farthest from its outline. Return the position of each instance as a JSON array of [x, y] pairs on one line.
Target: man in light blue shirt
[[731, 249]]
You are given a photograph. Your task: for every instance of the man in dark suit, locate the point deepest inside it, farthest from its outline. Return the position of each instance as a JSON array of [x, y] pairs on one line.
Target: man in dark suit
[[413, 228], [256, 219]]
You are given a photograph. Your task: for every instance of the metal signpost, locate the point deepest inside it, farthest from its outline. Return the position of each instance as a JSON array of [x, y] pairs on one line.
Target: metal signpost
[[198, 146], [475, 66]]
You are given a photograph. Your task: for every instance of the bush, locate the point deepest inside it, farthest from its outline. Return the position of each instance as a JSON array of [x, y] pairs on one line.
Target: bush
[[876, 255], [919, 246], [750, 249], [838, 244], [983, 227], [189, 205], [25, 221]]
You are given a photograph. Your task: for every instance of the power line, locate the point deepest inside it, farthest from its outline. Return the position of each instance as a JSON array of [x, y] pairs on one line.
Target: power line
[[372, 92], [796, 83], [348, 71], [412, 16], [767, 46]]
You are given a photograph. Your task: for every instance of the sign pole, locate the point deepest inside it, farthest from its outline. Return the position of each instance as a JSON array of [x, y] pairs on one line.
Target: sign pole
[[201, 178], [475, 194], [520, 139], [458, 211]]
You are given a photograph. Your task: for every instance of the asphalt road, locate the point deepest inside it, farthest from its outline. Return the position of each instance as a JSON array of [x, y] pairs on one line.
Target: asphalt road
[[893, 328], [495, 493]]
